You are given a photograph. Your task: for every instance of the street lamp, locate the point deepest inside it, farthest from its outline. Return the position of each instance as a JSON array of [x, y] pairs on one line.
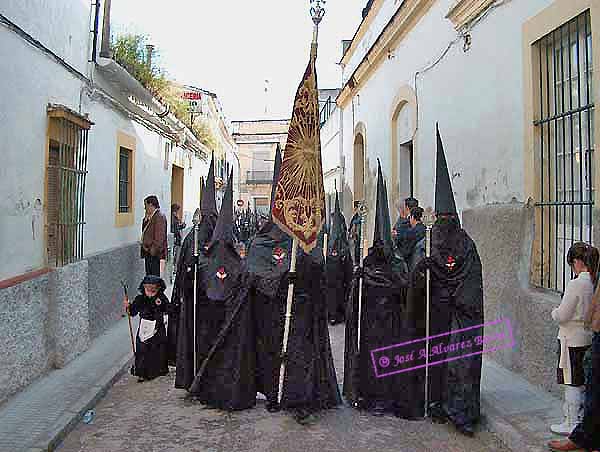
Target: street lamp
[[317, 12]]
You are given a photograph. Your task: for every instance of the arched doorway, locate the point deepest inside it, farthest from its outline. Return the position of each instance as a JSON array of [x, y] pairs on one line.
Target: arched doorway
[[359, 167], [403, 125]]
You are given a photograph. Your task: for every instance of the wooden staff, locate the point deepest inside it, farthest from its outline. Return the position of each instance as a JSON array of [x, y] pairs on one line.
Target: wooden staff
[[362, 213], [429, 219], [196, 221], [288, 318], [129, 317]]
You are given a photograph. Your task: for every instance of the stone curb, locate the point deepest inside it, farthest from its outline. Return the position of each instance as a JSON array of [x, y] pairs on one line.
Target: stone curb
[[50, 440], [493, 422]]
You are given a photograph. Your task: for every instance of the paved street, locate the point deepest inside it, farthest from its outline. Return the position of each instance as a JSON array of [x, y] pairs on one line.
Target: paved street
[[153, 416]]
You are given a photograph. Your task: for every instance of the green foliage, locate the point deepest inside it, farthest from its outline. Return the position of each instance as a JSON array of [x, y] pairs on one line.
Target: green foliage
[[129, 51]]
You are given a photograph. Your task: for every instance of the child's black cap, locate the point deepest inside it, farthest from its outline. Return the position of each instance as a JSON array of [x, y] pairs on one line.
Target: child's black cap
[[152, 279]]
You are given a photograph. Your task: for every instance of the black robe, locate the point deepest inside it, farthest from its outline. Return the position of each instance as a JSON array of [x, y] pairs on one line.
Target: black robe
[[338, 272], [456, 303], [384, 310], [226, 376], [183, 292], [173, 312], [310, 380], [151, 355]]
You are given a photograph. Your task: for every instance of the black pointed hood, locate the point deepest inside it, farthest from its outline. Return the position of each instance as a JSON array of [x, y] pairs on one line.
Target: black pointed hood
[[222, 269], [276, 169], [202, 187], [382, 237], [337, 242], [224, 227], [209, 202], [444, 197]]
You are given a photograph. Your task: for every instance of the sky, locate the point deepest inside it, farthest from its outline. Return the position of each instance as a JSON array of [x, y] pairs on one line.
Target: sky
[[230, 47]]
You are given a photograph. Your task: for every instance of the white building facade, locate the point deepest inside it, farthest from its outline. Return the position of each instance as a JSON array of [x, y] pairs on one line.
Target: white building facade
[[83, 143], [513, 86]]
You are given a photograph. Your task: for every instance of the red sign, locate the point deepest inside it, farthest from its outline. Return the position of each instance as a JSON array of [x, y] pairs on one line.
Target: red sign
[[240, 203], [192, 95]]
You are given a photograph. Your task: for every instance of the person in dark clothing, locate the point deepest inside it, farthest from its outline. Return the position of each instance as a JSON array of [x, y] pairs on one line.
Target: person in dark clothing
[[176, 224], [402, 230], [154, 236], [183, 291], [415, 234], [456, 305], [355, 233], [226, 376], [310, 381], [381, 317], [151, 339], [338, 266]]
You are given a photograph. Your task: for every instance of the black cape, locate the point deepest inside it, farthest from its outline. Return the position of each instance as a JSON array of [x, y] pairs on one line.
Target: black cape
[[310, 380], [226, 375], [151, 355], [338, 268], [385, 279], [456, 303], [183, 292], [225, 379]]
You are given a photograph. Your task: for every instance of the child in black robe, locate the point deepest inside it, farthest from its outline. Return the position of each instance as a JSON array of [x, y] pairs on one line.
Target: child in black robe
[[151, 339]]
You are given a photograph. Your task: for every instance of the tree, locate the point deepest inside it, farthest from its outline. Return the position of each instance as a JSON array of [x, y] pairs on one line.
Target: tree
[[129, 51]]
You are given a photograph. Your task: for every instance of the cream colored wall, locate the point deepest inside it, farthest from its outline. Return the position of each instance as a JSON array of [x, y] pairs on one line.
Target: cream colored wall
[[477, 97]]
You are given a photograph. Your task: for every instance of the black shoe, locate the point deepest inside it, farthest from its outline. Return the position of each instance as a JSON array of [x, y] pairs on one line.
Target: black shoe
[[273, 407], [332, 322], [466, 429], [301, 415], [379, 409], [140, 380]]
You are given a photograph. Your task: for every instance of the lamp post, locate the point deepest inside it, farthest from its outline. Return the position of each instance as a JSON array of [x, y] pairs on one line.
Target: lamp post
[[317, 12]]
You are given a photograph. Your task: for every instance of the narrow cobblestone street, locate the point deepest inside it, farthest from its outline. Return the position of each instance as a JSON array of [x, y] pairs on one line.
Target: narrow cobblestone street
[[155, 417]]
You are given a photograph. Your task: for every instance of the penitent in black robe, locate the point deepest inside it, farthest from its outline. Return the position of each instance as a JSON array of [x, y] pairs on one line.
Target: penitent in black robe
[[225, 378], [226, 375], [383, 321], [183, 292], [456, 303], [151, 355], [310, 381], [338, 267]]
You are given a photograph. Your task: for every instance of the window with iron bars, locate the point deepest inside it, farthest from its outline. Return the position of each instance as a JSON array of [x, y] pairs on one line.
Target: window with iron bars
[[564, 134], [65, 191], [124, 180]]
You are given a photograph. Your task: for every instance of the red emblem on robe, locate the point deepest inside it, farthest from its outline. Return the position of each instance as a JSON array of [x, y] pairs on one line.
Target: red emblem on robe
[[450, 263], [221, 273], [279, 255]]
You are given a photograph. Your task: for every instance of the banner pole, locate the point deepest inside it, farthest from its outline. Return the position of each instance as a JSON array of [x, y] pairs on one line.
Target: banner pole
[[288, 318]]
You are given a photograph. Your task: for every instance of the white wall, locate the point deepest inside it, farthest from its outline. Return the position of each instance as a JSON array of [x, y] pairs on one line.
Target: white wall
[[476, 97], [191, 188], [61, 25], [30, 80]]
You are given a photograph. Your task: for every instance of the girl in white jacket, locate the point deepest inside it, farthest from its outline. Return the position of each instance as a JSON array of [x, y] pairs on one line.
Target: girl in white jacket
[[573, 338]]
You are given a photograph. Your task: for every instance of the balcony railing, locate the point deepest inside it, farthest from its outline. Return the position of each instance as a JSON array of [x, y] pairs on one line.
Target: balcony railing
[[259, 177], [327, 107]]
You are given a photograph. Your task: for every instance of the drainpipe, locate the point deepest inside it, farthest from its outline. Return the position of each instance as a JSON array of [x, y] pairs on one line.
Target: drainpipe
[[95, 31], [105, 47], [149, 50]]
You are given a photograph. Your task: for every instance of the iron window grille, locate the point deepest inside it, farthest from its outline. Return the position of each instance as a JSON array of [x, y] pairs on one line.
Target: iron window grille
[[124, 182], [65, 192], [565, 147]]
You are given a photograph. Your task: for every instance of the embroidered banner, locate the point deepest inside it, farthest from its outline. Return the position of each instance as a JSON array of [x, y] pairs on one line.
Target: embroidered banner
[[299, 207]]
